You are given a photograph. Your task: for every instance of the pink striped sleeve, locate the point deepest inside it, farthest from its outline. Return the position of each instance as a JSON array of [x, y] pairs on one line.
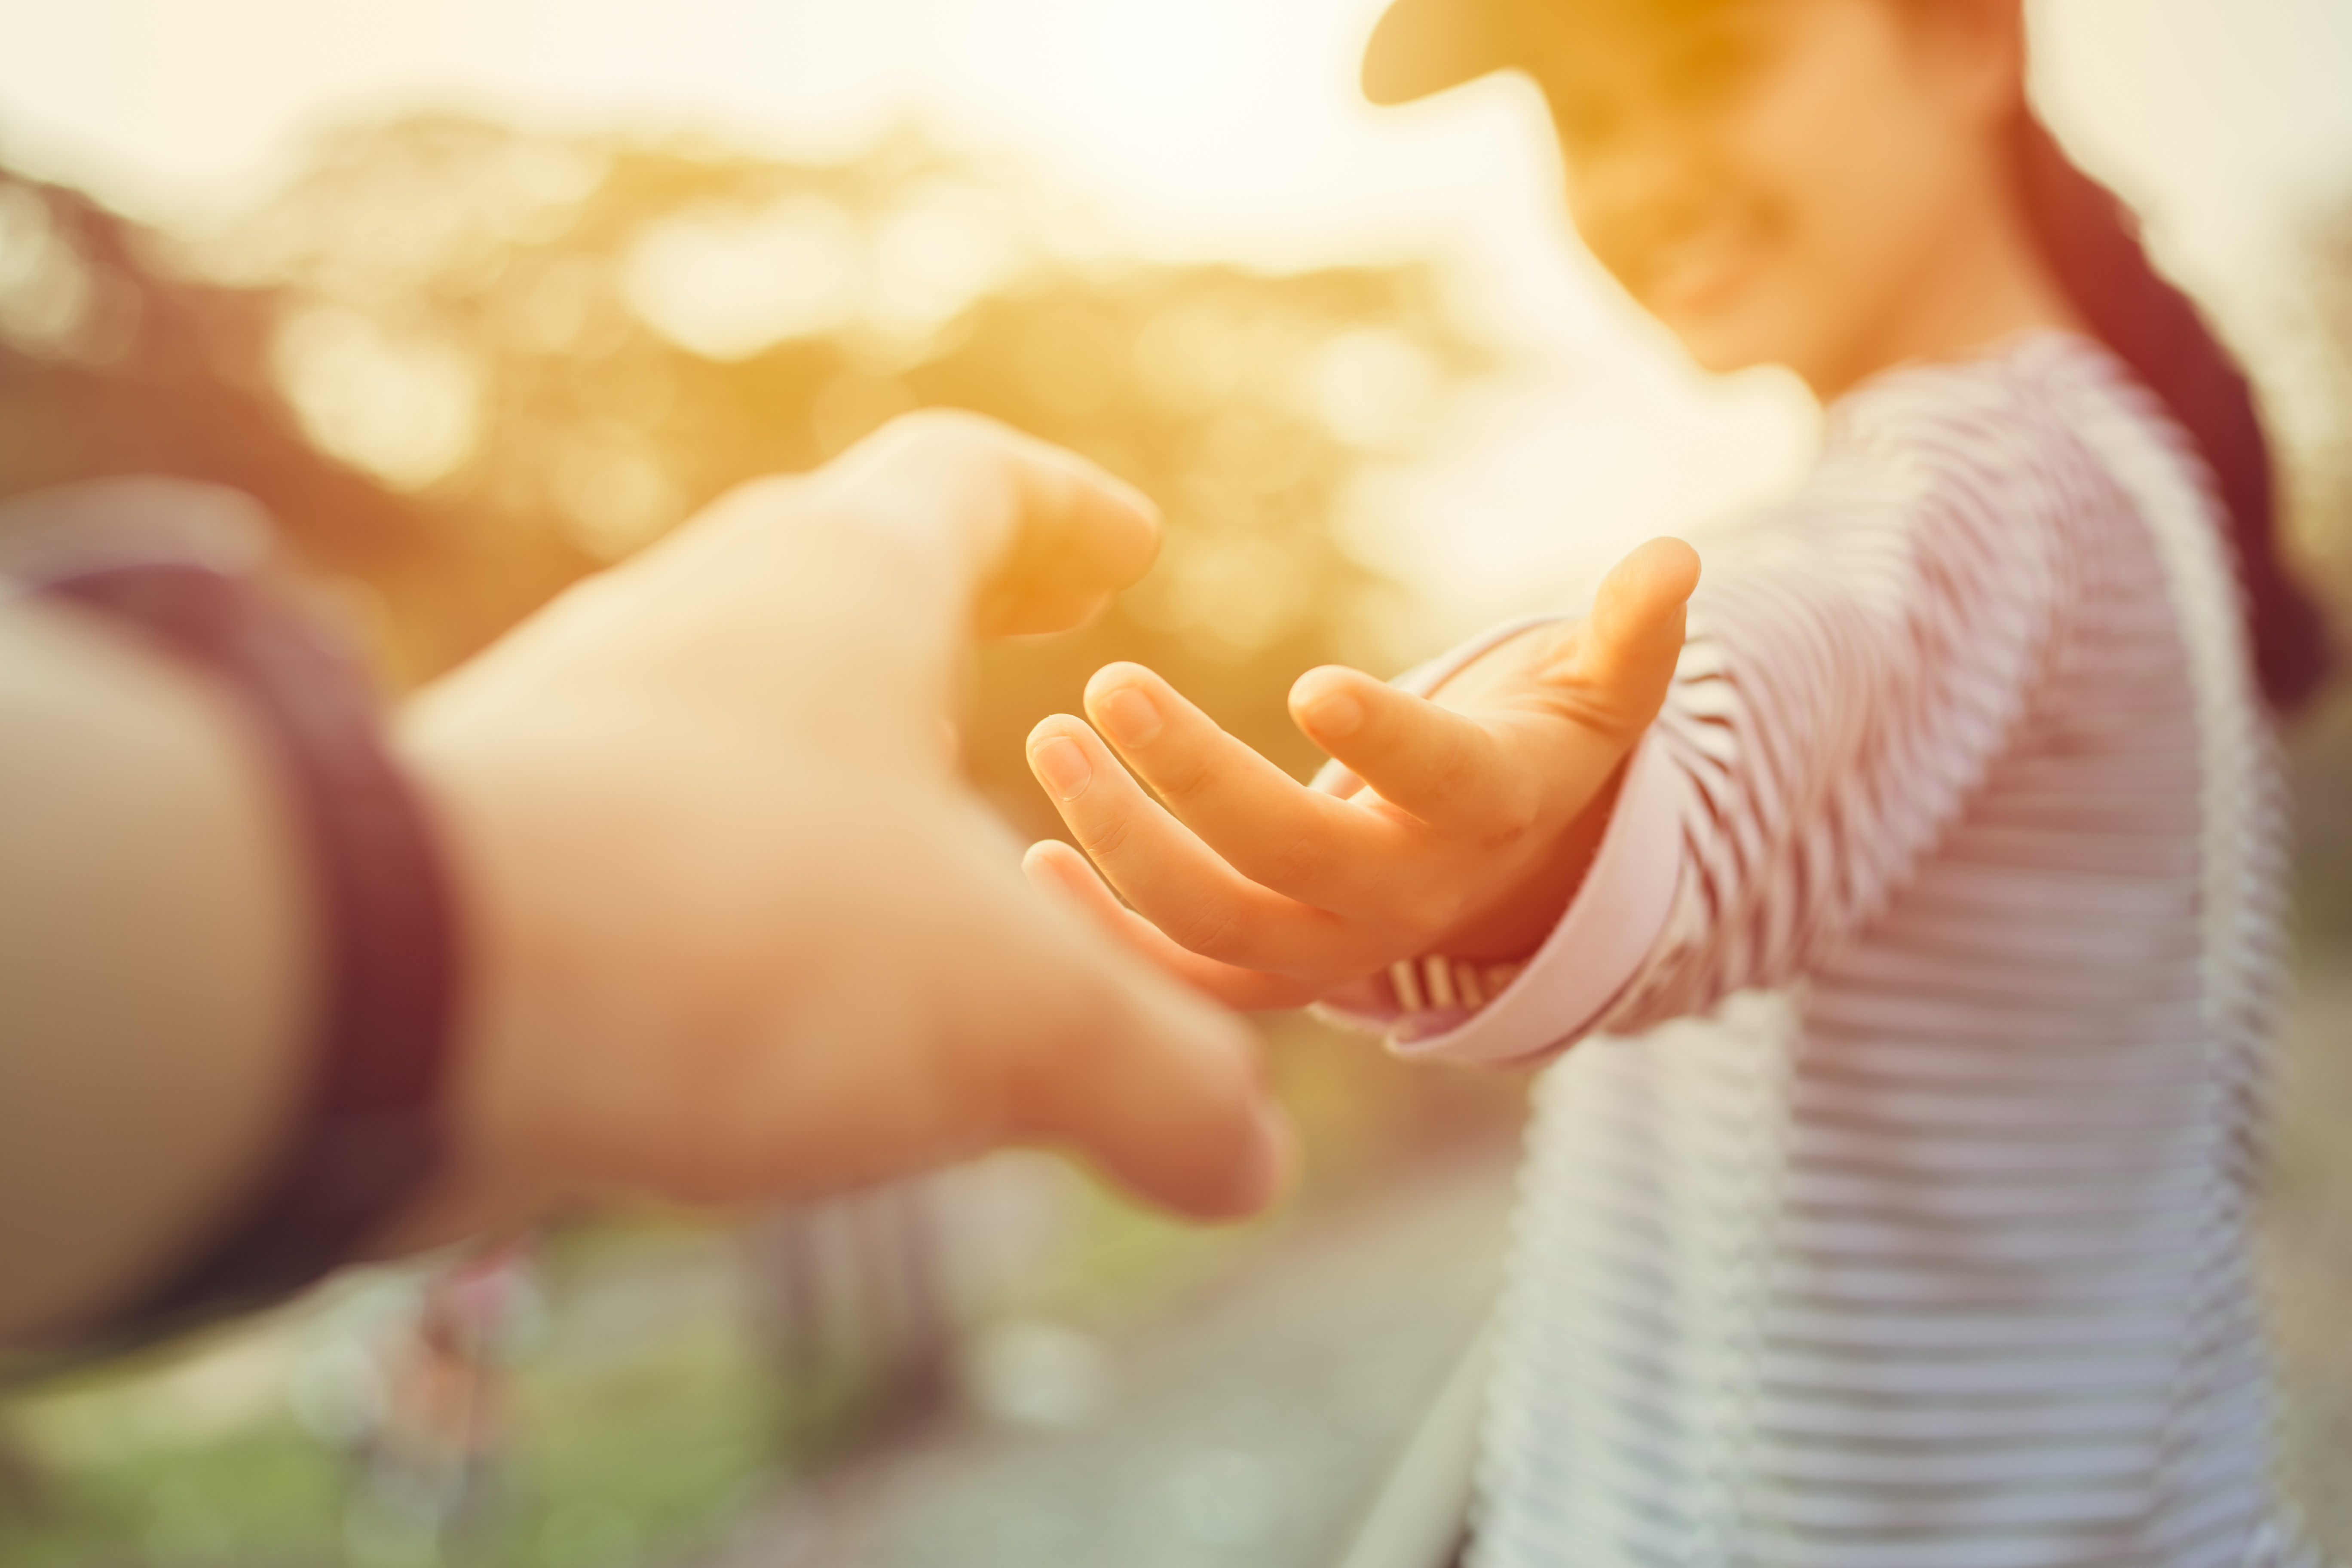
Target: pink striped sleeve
[[1856, 661]]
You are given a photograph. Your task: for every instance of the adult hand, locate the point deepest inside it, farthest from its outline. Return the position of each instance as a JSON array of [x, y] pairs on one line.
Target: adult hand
[[1461, 825], [737, 931]]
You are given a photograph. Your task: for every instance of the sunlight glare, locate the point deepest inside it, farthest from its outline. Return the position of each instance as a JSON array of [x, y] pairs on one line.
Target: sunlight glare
[[406, 409], [727, 284]]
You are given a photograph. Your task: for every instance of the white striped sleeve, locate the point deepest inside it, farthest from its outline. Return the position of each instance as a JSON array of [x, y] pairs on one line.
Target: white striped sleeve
[[1855, 663]]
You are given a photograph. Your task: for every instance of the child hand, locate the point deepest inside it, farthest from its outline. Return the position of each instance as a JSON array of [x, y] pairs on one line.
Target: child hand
[[1464, 824]]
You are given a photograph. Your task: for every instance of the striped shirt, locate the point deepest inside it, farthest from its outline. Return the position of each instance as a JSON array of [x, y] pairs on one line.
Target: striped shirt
[[1892, 1208]]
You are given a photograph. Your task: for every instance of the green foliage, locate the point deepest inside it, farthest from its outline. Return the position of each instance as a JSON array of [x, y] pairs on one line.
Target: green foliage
[[252, 1498]]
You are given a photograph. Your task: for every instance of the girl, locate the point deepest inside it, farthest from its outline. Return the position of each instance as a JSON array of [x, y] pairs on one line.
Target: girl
[[1911, 903]]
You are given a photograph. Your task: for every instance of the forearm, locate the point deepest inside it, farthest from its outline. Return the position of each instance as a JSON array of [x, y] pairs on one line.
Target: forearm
[[156, 966]]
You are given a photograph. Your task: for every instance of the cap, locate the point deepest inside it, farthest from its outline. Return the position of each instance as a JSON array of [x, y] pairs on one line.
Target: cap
[[1421, 46]]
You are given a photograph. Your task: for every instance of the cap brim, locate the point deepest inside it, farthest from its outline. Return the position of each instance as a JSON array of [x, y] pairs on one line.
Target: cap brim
[[1421, 46]]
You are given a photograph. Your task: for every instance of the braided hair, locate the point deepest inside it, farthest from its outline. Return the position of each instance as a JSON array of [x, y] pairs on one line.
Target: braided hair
[[2092, 240]]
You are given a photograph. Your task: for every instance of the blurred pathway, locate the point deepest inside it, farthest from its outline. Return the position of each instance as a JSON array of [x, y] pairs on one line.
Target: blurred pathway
[[2307, 1251], [1248, 1427]]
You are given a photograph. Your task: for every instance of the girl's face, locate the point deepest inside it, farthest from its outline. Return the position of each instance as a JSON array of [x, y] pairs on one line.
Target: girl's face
[[1777, 181]]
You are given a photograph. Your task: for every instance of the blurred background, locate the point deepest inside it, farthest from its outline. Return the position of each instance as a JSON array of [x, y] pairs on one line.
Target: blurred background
[[479, 296]]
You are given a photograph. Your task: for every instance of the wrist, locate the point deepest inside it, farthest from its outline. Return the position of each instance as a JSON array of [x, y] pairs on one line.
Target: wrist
[[480, 796], [637, 888]]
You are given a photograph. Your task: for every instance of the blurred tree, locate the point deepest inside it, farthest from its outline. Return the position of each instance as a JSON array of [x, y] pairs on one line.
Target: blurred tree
[[464, 364], [112, 360]]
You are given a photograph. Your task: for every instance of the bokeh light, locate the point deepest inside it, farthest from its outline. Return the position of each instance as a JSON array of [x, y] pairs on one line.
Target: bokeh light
[[479, 297]]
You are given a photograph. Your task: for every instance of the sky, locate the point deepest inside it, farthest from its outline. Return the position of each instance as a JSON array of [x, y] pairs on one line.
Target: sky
[[1201, 130]]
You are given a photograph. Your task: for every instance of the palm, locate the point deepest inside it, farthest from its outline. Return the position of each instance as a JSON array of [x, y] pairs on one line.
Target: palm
[[1459, 823]]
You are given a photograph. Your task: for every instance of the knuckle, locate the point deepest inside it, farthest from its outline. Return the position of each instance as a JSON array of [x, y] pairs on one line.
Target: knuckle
[[1184, 778], [1299, 859], [1212, 928], [1107, 838]]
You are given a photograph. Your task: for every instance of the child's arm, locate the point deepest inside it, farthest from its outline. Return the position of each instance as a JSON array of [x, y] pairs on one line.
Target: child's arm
[[1483, 809], [1859, 663]]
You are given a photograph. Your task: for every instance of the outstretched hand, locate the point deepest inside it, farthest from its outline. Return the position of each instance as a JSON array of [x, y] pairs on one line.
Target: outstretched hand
[[738, 932], [1461, 825]]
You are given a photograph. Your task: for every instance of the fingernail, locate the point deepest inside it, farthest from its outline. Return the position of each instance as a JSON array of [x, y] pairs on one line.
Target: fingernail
[[1063, 766], [1336, 714], [1130, 717]]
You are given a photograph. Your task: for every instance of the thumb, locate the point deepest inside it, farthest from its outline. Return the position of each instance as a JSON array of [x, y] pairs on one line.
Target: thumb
[[1623, 655], [1162, 1091]]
